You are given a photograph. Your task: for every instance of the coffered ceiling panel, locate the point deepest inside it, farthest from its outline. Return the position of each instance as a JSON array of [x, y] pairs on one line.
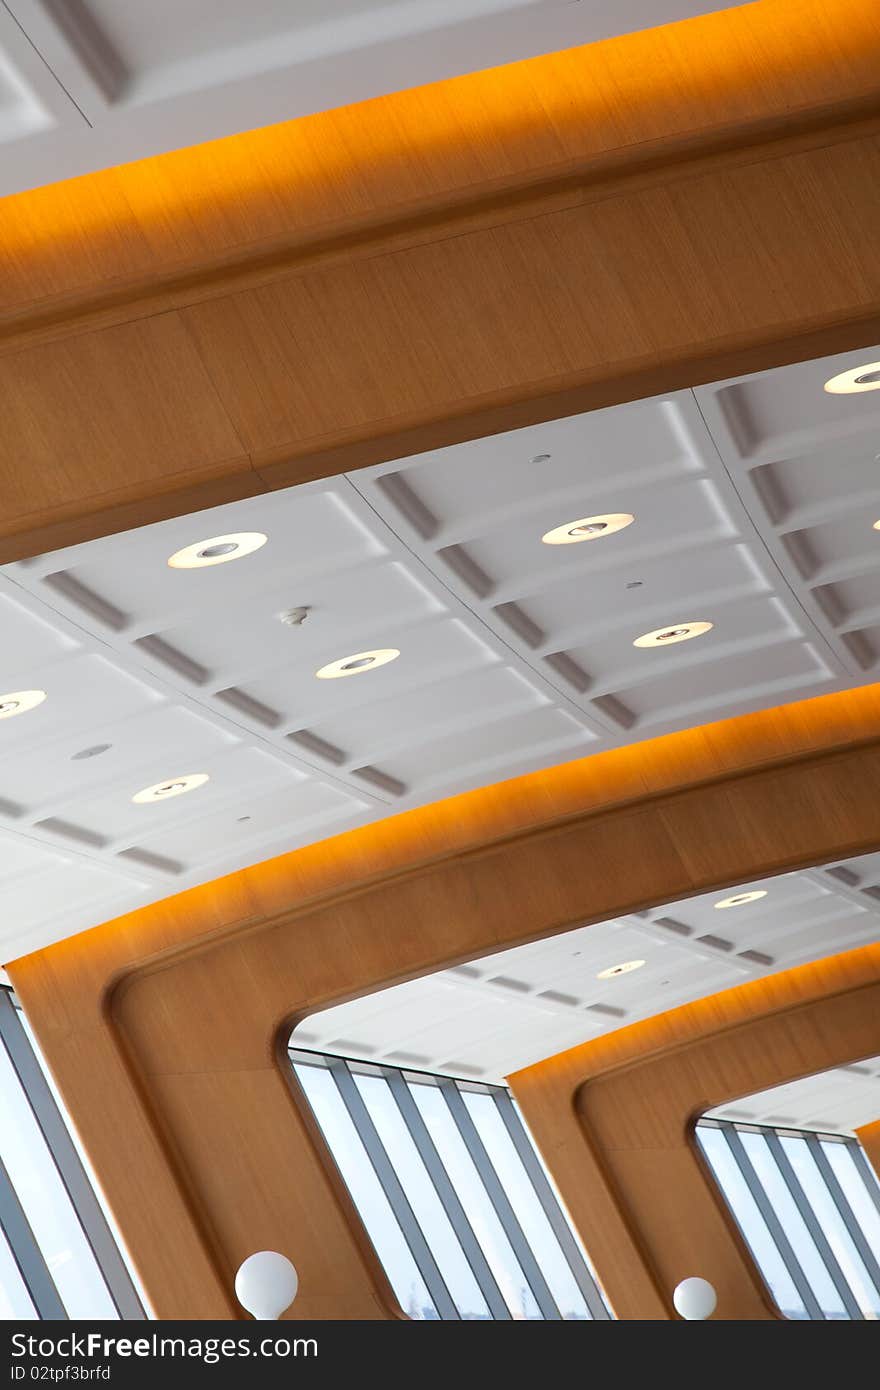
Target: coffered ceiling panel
[[838, 1101], [85, 84], [464, 646], [495, 1015]]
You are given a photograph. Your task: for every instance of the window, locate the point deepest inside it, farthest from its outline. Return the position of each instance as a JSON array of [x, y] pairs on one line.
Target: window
[[808, 1206], [58, 1257], [452, 1192]]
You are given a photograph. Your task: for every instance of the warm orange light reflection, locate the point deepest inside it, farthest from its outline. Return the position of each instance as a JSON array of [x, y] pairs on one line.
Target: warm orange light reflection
[[462, 822], [539, 115]]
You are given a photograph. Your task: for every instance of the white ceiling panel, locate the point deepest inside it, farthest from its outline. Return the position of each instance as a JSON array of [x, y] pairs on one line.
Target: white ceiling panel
[[837, 1101], [489, 1017], [85, 84], [513, 654]]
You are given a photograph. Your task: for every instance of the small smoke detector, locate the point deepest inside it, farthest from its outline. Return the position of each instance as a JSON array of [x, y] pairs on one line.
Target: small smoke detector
[[295, 617]]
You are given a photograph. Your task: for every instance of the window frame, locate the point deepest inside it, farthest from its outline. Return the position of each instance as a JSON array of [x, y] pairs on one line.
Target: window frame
[[399, 1082], [786, 1242]]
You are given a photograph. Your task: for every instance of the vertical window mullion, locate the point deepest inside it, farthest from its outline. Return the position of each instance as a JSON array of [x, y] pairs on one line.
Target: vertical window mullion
[[498, 1197], [813, 1225], [844, 1210], [777, 1234], [418, 1130], [872, 1187], [27, 1253], [552, 1210], [393, 1189], [67, 1162]]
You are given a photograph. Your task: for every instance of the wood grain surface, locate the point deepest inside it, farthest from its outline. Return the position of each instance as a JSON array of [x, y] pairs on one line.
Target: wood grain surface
[[164, 1028]]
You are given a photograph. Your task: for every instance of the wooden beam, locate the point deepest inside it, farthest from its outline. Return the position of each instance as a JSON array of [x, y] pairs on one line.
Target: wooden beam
[[636, 216], [165, 1029]]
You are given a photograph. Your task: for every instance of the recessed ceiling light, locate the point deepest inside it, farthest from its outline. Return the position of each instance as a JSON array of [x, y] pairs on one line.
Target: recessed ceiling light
[[172, 786], [19, 702], [740, 899], [866, 378], [217, 550], [358, 662], [540, 458], [668, 636], [588, 528], [877, 524], [623, 969]]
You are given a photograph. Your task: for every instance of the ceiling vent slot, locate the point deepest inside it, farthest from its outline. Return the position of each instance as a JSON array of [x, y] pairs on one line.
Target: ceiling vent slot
[[573, 675], [317, 747], [718, 943], [463, 1068], [505, 982], [86, 600], [398, 492], [670, 924], [756, 957], [611, 708], [468, 971], [381, 781], [412, 1059], [148, 860], [519, 622], [174, 660], [250, 708], [556, 998], [456, 558], [843, 875], [76, 834], [610, 1010], [347, 1045]]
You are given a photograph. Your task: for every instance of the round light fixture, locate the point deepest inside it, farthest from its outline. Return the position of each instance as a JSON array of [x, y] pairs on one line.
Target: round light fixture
[[866, 378], [540, 458], [217, 550], [877, 524], [623, 969], [695, 1299], [19, 702], [740, 899], [668, 636], [356, 663], [588, 528], [172, 786], [266, 1284]]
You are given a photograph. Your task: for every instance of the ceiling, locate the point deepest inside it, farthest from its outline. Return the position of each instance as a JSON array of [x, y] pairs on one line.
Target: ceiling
[[489, 1018], [834, 1102], [753, 503], [86, 84]]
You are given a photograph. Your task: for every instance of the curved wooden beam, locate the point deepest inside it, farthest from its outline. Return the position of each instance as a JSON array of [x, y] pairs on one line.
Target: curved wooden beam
[[614, 221], [615, 1118], [163, 1028]]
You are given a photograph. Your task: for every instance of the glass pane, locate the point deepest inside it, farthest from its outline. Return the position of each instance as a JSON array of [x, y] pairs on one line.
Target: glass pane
[[584, 1254], [865, 1212], [422, 1196], [15, 1301], [366, 1191], [86, 1163], [524, 1200], [750, 1222], [801, 1241], [836, 1234], [473, 1196], [46, 1204]]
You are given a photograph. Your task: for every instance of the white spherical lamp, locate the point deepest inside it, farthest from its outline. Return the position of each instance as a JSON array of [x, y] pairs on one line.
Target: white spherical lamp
[[266, 1284], [695, 1299]]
